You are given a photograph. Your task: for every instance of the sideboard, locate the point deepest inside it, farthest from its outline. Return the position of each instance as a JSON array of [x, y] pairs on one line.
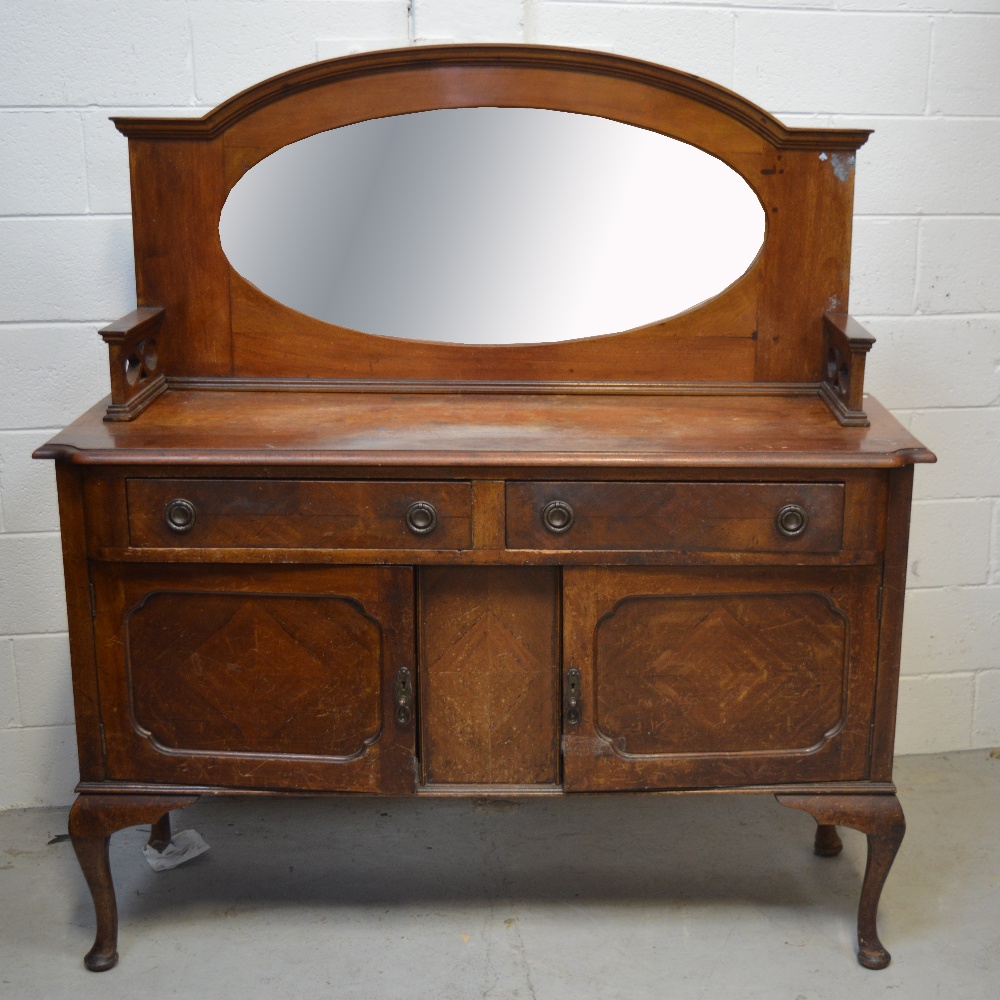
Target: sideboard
[[304, 558]]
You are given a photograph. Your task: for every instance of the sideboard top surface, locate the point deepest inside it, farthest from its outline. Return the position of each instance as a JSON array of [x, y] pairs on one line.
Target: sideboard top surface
[[487, 429]]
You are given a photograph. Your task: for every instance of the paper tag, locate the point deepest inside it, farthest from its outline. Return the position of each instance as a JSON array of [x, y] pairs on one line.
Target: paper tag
[[183, 846]]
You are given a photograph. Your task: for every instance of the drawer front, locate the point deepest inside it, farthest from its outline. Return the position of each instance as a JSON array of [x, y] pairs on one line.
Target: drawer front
[[710, 517], [253, 513]]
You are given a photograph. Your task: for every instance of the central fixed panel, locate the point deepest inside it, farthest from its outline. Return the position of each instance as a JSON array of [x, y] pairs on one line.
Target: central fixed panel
[[489, 675]]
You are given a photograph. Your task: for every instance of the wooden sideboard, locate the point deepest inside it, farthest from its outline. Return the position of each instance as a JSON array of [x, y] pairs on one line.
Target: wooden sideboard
[[303, 558]]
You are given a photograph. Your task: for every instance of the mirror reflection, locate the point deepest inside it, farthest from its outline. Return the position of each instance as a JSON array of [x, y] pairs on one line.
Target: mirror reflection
[[491, 225]]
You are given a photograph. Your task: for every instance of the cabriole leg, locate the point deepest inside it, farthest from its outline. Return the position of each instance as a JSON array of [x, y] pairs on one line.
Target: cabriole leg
[[880, 818], [159, 834], [827, 843], [92, 820]]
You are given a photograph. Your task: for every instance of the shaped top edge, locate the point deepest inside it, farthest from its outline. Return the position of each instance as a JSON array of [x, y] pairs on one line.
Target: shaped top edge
[[513, 56]]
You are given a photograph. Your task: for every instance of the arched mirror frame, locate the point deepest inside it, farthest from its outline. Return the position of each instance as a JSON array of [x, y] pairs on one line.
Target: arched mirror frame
[[767, 328]]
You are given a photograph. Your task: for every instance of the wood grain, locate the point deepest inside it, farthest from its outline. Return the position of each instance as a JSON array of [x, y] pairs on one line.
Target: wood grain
[[255, 673], [766, 327], [697, 648], [92, 820], [283, 677], [738, 517], [880, 818], [711, 344], [488, 431], [83, 660], [897, 522], [252, 513], [777, 678], [489, 675], [177, 195]]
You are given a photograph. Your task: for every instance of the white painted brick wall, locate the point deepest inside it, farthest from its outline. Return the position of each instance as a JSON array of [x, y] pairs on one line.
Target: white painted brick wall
[[935, 712], [986, 715], [950, 628], [883, 260], [965, 72], [927, 165], [957, 271], [950, 543], [66, 267], [238, 43], [32, 599], [965, 372], [695, 40], [460, 20], [925, 74], [10, 708], [41, 163], [45, 694], [28, 486], [833, 62]]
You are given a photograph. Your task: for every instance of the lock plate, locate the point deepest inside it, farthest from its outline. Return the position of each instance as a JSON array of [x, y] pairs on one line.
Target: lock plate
[[404, 696], [571, 697]]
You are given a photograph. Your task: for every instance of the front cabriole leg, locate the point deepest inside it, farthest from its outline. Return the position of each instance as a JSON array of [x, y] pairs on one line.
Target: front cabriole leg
[[92, 820], [880, 818]]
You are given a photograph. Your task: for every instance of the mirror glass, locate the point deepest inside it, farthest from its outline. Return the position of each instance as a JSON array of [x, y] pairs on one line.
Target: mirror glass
[[491, 225]]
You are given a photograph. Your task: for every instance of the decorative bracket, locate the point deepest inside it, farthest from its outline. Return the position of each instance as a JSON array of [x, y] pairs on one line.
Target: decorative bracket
[[843, 385], [136, 378]]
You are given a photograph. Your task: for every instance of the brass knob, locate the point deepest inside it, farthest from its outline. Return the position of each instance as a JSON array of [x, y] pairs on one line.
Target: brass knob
[[792, 520], [421, 518], [557, 516], [180, 515]]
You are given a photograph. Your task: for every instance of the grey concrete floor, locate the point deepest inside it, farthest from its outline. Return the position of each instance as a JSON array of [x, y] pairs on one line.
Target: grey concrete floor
[[615, 897]]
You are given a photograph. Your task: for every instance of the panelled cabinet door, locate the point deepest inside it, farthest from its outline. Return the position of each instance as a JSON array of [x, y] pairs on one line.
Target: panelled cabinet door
[[262, 677], [706, 678]]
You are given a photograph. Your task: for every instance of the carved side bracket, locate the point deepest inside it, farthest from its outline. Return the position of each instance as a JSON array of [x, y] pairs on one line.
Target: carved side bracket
[[136, 378], [843, 385]]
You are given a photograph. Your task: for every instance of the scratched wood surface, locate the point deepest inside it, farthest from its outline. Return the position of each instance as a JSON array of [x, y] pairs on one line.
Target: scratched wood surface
[[487, 430], [283, 677], [701, 678], [255, 673], [778, 670], [489, 675]]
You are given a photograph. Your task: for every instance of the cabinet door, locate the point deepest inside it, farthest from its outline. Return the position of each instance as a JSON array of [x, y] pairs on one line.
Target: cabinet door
[[257, 677], [713, 678]]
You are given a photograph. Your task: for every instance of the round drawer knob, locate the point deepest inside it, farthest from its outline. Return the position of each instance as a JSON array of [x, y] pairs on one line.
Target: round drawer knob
[[180, 515], [792, 520], [557, 516], [421, 518]]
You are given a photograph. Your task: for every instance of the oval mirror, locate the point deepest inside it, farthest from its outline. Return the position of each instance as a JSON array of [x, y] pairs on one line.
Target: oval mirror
[[491, 225]]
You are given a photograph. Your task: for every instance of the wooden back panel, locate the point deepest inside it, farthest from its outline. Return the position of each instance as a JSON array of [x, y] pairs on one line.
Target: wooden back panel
[[767, 327]]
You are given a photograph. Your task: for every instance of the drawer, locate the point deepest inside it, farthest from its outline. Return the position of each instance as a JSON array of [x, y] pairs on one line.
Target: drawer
[[256, 513], [711, 517]]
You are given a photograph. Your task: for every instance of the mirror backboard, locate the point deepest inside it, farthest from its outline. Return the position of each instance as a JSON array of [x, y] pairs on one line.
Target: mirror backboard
[[491, 225]]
